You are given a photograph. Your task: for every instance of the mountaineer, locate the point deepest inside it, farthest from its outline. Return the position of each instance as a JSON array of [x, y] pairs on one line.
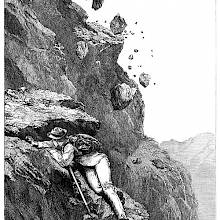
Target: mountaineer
[[83, 149]]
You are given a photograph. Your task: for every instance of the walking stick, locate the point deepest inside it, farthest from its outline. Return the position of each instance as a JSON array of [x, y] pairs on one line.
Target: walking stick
[[80, 191]]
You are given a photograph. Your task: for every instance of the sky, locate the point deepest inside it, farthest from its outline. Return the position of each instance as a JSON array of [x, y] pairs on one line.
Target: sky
[[178, 51]]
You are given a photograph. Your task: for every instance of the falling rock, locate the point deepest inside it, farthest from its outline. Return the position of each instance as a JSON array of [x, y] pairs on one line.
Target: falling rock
[[118, 24], [144, 79], [131, 57], [121, 96], [82, 49], [97, 4]]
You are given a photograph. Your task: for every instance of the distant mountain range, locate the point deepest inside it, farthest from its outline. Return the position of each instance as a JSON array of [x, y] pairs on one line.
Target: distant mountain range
[[198, 156]]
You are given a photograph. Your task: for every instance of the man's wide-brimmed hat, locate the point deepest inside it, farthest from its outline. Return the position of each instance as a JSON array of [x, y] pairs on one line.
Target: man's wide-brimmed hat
[[57, 133]]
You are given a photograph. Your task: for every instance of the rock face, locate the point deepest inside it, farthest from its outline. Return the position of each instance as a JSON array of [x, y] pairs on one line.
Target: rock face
[[198, 156], [160, 183], [118, 24], [41, 40]]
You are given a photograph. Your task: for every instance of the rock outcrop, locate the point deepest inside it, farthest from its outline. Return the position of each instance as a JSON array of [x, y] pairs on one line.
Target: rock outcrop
[[41, 41], [36, 112]]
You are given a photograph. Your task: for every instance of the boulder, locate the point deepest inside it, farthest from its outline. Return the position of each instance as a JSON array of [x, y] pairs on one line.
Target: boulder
[[144, 79], [122, 95], [118, 24]]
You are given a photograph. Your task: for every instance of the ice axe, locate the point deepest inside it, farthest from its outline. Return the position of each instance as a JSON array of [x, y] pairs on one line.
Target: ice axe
[[80, 191]]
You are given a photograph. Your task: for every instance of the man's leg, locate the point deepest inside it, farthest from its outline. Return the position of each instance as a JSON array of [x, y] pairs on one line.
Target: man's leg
[[92, 179], [104, 175]]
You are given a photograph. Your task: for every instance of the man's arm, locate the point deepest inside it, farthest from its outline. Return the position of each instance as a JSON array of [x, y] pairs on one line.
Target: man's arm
[[38, 144], [68, 154]]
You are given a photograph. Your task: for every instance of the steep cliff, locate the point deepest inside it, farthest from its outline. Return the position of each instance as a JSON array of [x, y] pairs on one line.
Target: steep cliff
[[50, 46]]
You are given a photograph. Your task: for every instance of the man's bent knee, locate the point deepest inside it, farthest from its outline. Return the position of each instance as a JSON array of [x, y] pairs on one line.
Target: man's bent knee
[[107, 185]]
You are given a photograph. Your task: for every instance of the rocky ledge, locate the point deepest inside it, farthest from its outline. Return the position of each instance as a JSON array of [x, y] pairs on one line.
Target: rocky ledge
[[36, 112]]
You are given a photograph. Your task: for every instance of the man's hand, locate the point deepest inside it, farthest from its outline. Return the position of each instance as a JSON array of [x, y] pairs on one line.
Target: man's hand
[[62, 164], [66, 164], [30, 140]]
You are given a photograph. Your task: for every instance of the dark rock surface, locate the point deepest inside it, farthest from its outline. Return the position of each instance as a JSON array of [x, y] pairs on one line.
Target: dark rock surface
[[40, 53]]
